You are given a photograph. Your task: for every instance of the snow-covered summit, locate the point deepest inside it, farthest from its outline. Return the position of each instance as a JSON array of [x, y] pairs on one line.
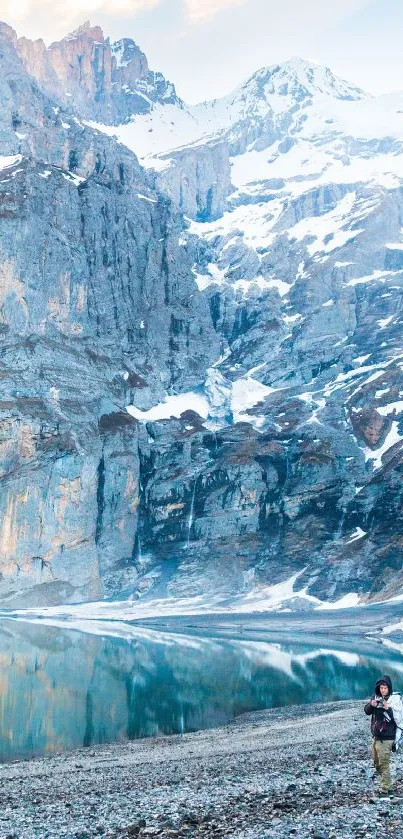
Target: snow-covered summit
[[276, 90], [279, 99], [296, 75], [280, 86]]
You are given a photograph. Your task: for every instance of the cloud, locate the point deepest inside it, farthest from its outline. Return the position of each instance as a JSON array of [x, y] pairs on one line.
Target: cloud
[[56, 17], [125, 7], [53, 19], [200, 10], [289, 10], [67, 12], [20, 9]]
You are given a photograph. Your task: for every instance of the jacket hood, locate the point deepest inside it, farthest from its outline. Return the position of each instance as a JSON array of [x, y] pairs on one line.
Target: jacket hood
[[384, 680]]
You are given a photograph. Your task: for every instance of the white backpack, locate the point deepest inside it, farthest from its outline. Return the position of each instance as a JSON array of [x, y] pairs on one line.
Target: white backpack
[[396, 703]]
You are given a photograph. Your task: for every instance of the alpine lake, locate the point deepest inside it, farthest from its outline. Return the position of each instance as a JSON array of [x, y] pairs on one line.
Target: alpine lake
[[63, 688]]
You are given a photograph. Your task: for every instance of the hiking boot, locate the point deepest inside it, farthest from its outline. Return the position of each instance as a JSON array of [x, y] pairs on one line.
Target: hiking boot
[[385, 793]]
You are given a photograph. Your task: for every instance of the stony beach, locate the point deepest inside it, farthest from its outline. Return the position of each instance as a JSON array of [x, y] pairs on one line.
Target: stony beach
[[300, 771]]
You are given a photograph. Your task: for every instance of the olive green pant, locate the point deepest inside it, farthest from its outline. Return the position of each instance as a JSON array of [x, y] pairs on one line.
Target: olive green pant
[[381, 754]]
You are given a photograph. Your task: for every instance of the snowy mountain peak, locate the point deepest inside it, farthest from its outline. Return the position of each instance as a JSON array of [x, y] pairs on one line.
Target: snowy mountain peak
[[299, 79]]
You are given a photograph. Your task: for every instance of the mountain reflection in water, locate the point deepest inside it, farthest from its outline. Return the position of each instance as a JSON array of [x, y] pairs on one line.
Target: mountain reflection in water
[[63, 688]]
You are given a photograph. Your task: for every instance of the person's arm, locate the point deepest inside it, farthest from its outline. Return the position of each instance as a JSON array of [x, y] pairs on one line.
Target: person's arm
[[369, 707]]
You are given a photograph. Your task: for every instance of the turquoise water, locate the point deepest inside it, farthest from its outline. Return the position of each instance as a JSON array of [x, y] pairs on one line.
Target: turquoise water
[[61, 689]]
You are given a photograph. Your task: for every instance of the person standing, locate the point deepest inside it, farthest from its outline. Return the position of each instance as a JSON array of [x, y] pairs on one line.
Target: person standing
[[386, 711]]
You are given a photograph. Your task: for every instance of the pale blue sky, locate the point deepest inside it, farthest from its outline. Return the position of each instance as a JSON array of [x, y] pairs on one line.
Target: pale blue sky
[[207, 47]]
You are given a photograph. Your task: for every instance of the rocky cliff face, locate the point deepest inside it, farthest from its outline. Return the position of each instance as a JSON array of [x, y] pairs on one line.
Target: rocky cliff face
[[93, 283], [99, 80], [205, 405], [197, 179]]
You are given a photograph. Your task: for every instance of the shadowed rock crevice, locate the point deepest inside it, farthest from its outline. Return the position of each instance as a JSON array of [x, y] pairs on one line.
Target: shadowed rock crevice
[[100, 498]]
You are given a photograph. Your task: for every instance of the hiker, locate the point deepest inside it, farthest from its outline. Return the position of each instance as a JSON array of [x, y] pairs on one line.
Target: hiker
[[386, 711]]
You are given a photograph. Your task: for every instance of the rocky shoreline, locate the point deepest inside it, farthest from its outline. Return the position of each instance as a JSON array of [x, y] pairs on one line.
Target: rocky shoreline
[[301, 771]]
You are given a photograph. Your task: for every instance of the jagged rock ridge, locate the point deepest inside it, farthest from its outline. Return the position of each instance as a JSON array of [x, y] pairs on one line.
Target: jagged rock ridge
[[98, 79]]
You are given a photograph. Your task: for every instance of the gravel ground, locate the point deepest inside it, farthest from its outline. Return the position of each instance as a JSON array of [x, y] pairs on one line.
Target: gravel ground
[[298, 772]]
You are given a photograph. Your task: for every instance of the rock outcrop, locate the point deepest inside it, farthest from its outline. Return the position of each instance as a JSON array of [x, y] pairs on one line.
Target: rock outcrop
[[99, 80], [198, 180]]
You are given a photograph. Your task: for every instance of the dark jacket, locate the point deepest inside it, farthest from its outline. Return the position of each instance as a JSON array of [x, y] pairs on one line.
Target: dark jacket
[[383, 726]]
